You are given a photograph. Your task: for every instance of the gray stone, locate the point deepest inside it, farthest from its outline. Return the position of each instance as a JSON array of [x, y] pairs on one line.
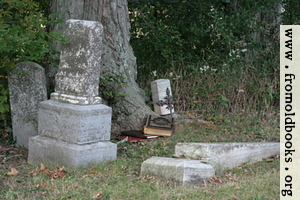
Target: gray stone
[[57, 152], [227, 155], [27, 87], [183, 171], [74, 128], [74, 123], [77, 79], [158, 88]]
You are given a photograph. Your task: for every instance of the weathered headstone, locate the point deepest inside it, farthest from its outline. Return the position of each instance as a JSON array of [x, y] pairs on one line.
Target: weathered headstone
[[77, 80], [27, 88], [227, 155], [74, 128], [159, 88]]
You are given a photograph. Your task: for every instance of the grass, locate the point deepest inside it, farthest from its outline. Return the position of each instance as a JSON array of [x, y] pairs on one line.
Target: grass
[[120, 179]]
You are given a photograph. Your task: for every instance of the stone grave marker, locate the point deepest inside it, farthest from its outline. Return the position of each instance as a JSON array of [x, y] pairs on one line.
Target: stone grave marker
[[27, 88], [74, 128], [79, 69], [228, 154], [159, 88]]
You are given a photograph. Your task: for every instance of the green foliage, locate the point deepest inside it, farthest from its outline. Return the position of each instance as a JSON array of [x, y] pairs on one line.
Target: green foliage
[[110, 86], [23, 37], [23, 33], [212, 48], [291, 15]]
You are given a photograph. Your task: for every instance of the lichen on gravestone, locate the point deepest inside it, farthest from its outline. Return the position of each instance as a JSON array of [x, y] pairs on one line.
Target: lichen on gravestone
[[77, 79], [27, 88]]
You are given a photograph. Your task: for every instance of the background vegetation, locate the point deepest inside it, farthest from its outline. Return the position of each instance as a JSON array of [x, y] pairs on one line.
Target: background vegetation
[[219, 55], [222, 57], [23, 37]]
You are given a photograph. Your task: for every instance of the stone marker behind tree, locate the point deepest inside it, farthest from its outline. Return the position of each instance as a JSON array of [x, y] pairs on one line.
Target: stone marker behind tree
[[159, 88], [27, 88], [74, 128]]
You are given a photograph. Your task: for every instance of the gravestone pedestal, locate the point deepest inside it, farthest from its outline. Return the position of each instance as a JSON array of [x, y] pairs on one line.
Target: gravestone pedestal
[[57, 152], [72, 134]]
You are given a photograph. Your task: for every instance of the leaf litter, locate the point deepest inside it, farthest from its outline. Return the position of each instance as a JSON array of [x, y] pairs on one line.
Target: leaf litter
[[54, 174]]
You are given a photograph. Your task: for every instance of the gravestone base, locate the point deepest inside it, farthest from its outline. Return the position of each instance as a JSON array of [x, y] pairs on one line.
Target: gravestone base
[[78, 124], [56, 152], [72, 135]]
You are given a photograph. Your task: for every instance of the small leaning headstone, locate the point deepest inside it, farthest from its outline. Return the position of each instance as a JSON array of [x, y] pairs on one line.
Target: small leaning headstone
[[27, 88], [159, 88]]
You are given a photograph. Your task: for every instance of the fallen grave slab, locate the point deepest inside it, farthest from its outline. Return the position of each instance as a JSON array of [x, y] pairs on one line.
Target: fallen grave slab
[[183, 171], [227, 155]]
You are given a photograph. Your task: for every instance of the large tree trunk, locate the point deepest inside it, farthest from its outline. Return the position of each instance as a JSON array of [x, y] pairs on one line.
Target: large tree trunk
[[118, 60]]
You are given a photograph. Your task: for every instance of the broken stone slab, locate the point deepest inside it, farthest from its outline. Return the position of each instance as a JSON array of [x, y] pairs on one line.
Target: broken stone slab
[[57, 152], [77, 79], [183, 171], [76, 124], [27, 88], [227, 155]]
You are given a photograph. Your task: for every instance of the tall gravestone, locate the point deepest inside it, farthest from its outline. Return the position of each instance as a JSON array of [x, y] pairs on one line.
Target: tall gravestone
[[27, 88], [74, 127], [159, 88]]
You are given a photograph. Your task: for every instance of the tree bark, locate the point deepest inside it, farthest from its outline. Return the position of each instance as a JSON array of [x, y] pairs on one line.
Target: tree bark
[[118, 60]]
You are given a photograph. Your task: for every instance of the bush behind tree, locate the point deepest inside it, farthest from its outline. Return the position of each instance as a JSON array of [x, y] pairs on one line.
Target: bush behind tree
[[224, 55], [24, 37]]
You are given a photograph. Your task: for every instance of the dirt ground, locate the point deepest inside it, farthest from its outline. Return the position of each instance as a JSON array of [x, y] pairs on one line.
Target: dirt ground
[[11, 157]]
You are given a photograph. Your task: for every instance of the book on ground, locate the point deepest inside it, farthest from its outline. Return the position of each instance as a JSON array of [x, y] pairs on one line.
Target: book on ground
[[158, 125], [137, 139], [137, 134]]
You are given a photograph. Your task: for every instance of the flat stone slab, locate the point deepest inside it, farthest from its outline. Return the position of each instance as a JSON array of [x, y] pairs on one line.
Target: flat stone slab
[[77, 124], [57, 152], [227, 155], [181, 170]]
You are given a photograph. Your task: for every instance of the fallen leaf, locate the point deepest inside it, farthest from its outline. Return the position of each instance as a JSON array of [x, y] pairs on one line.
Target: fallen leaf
[[98, 195], [33, 172], [5, 134], [214, 178], [43, 184], [94, 172], [165, 143], [59, 173], [42, 169], [237, 188], [12, 172]]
